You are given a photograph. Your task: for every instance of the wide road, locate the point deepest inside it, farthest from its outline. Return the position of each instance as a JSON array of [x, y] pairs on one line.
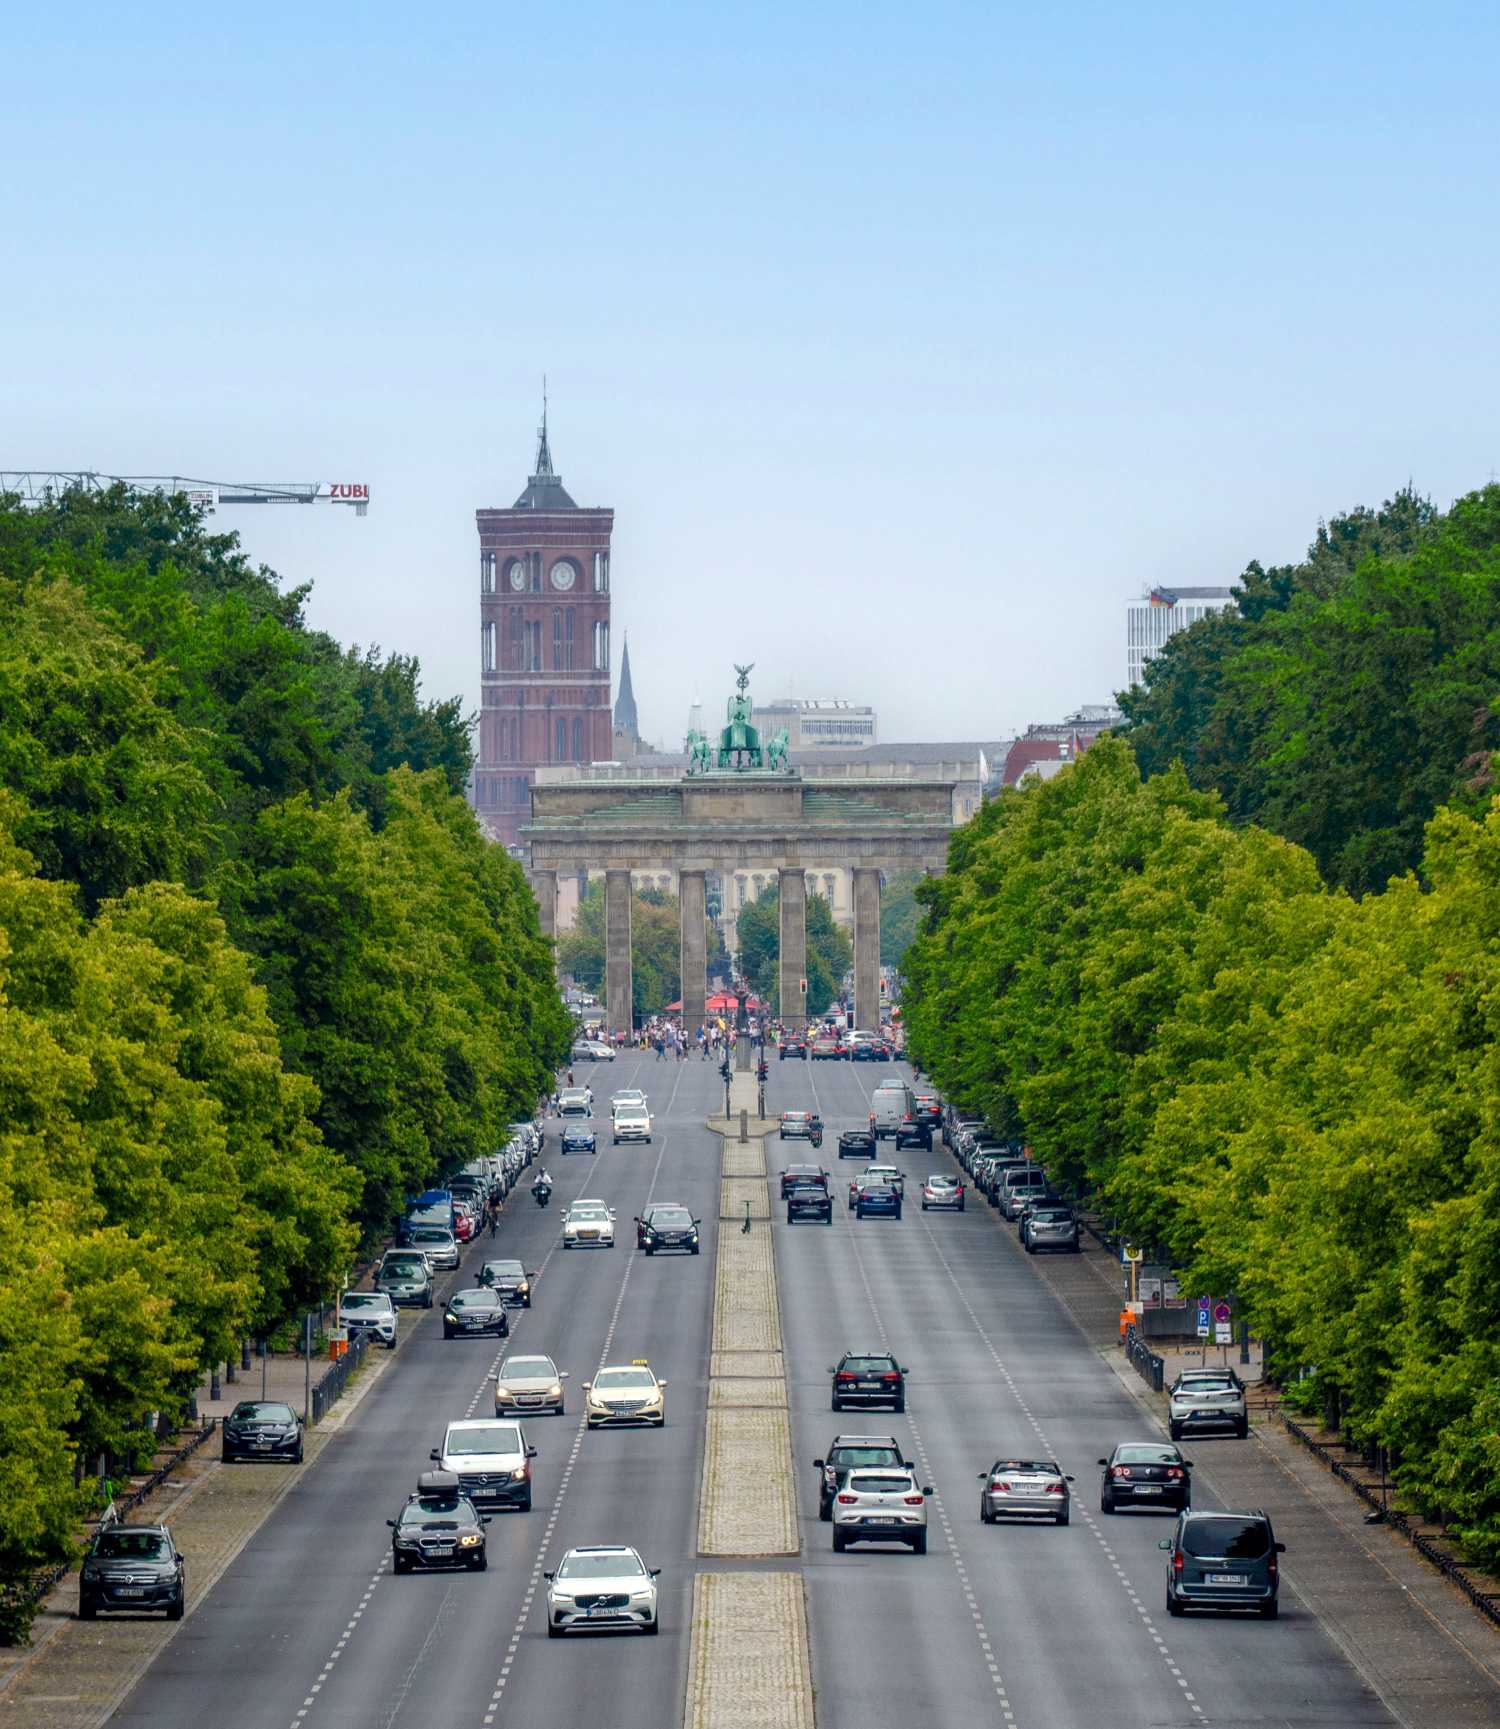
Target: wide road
[[309, 1627], [1057, 1626]]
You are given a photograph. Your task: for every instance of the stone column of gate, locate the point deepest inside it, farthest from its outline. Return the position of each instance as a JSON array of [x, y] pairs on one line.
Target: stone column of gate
[[617, 984], [866, 949], [544, 887], [793, 968], [692, 894]]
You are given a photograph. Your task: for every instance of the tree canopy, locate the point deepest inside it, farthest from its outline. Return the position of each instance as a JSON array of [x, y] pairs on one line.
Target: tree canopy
[[830, 953]]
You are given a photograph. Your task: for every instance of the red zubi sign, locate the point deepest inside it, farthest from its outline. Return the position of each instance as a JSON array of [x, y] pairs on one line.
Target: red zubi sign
[[349, 492]]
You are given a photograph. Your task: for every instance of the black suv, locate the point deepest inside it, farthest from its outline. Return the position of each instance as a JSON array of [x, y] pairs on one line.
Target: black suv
[[868, 1378], [1223, 1561], [857, 1144], [132, 1567], [438, 1527], [851, 1453], [807, 1197]]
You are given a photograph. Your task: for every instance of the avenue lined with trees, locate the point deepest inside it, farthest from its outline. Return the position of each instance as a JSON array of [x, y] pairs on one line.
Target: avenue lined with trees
[[261, 976], [1235, 974]]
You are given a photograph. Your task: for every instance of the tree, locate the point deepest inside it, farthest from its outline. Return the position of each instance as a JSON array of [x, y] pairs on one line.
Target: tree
[[829, 951], [899, 916]]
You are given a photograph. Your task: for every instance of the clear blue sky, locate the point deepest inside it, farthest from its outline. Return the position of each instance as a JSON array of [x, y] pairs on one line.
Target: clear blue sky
[[907, 342]]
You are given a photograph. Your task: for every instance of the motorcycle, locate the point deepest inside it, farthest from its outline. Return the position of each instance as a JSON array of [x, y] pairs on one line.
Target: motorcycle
[[815, 1134], [541, 1193]]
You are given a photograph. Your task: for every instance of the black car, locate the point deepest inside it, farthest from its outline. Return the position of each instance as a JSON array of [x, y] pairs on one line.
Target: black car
[[132, 1567], [808, 1197], [666, 1228], [795, 1046], [1223, 1561], [849, 1453], [912, 1132], [878, 1201], [438, 1527], [857, 1144], [928, 1108], [477, 1312], [510, 1282], [262, 1429], [868, 1378], [579, 1138], [1145, 1474], [802, 1176]]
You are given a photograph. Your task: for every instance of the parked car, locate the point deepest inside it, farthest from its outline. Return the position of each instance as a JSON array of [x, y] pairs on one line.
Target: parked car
[[1202, 1400], [1050, 1228], [405, 1275], [1145, 1474], [261, 1429], [372, 1312], [1016, 1186], [135, 1567], [1031, 1488], [439, 1245], [1223, 1561]]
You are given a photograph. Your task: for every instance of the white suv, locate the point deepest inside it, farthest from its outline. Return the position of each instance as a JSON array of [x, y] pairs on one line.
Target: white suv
[[370, 1312], [881, 1505], [632, 1123]]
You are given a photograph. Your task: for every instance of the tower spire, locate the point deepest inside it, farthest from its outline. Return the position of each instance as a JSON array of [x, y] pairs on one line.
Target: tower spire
[[626, 719], [543, 450]]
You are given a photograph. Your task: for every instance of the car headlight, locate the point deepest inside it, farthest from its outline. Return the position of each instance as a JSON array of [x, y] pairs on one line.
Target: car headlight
[[641, 1596], [524, 1287], [563, 1599], [448, 1315], [555, 1390], [470, 1542]]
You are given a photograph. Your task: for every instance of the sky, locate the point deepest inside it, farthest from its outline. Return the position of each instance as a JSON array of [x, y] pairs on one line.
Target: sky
[[907, 343]]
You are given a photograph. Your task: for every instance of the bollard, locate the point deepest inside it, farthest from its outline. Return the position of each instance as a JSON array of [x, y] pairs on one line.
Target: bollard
[[1244, 1341], [245, 1355], [214, 1390], [744, 1124], [229, 1370]]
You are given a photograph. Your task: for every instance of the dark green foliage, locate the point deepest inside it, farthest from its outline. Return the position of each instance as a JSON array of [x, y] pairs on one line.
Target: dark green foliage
[[829, 951]]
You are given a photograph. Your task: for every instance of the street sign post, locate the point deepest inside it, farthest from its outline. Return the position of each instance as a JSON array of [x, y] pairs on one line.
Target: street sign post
[[1204, 1306], [1223, 1331]]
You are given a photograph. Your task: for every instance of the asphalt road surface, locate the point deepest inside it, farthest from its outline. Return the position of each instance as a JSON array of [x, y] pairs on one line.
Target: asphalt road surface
[[1033, 1624]]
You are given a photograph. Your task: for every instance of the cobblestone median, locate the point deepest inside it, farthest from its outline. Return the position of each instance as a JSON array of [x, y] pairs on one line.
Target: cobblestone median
[[748, 1506], [738, 1193], [748, 1391], [762, 1365], [749, 1667], [745, 1315], [744, 1159]]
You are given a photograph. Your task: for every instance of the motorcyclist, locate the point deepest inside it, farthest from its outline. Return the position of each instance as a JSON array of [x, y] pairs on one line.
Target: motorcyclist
[[541, 1185]]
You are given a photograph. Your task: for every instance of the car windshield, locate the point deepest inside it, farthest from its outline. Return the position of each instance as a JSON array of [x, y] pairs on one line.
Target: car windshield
[[614, 1566], [794, 1116], [528, 1369], [484, 1438], [936, 1182], [590, 1215], [1052, 1216], [1044, 1467], [1206, 1384], [863, 1456], [473, 1300], [1147, 1456], [504, 1269], [434, 1511], [612, 1379], [431, 1234], [869, 1365], [257, 1411], [872, 1484], [1234, 1539], [363, 1300], [131, 1546], [672, 1218]]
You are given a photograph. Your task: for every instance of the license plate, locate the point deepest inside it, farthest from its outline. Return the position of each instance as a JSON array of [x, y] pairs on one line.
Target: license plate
[[529, 1399], [1223, 1578], [441, 1549], [883, 1524], [129, 1591], [600, 1614], [869, 1386], [261, 1446], [1148, 1488]]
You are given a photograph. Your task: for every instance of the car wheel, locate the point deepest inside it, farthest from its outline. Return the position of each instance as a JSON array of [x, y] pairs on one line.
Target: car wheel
[[175, 1611], [1244, 1430], [447, 1332], [899, 1407], [399, 1564], [919, 1543], [88, 1609], [553, 1632], [825, 1511], [985, 1516], [827, 1220], [1062, 1518], [1106, 1503], [924, 1206], [960, 1206], [390, 1344], [835, 1405], [653, 1251], [297, 1456], [427, 1301], [1269, 1610], [480, 1563], [1026, 1244], [1175, 1431], [1173, 1606], [525, 1502], [838, 1542], [226, 1458], [526, 1302], [652, 1627]]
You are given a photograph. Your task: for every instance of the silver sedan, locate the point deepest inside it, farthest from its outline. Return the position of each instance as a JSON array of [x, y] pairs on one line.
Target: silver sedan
[[1033, 1488]]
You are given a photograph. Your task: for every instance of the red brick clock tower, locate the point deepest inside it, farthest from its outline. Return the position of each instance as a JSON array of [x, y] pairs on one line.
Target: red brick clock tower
[[544, 643]]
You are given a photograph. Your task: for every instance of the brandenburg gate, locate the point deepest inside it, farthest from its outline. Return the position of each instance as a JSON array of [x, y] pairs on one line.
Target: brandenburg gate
[[740, 808]]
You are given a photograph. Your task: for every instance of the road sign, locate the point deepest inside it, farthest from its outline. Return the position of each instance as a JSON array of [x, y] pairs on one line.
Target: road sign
[[1222, 1332], [1203, 1310], [1131, 1253], [1221, 1314]]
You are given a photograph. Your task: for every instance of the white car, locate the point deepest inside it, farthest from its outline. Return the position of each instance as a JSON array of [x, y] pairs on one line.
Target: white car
[[370, 1312], [599, 1587], [881, 1505], [632, 1123], [492, 1461], [589, 1224], [593, 1051], [626, 1096], [575, 1102], [621, 1393]]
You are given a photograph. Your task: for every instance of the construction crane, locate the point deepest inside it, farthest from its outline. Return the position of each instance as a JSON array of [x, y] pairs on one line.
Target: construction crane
[[38, 485]]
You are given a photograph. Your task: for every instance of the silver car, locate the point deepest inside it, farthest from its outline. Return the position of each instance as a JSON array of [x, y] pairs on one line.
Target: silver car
[[881, 1505], [1205, 1399], [439, 1245], [527, 1384], [1035, 1488], [942, 1191], [602, 1587], [1050, 1228]]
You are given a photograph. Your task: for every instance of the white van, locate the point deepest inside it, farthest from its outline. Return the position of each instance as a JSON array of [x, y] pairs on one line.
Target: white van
[[892, 1104]]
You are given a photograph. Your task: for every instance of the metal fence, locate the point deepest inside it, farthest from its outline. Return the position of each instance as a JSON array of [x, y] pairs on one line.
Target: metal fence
[[1486, 1602], [1145, 1362], [333, 1382]]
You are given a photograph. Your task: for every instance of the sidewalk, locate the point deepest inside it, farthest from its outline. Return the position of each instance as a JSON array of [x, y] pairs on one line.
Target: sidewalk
[[1430, 1656]]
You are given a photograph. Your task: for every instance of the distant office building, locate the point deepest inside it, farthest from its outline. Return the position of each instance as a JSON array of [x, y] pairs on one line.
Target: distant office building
[[1160, 613], [1047, 747], [818, 722]]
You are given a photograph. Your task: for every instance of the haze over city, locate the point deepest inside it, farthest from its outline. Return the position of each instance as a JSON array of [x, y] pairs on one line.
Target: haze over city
[[855, 324]]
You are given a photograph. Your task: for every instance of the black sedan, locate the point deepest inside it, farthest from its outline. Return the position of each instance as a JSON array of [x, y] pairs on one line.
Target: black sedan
[[438, 1527], [1145, 1474], [868, 1378], [877, 1201], [795, 1046], [857, 1144], [803, 1176], [478, 1312], [808, 1198], [132, 1567], [666, 1228], [262, 1429], [509, 1280]]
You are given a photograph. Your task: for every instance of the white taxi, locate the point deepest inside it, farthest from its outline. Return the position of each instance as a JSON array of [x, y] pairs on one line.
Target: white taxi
[[625, 1393]]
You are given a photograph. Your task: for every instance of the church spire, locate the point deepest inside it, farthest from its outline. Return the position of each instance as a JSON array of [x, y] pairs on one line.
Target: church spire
[[626, 719], [544, 491], [543, 452]]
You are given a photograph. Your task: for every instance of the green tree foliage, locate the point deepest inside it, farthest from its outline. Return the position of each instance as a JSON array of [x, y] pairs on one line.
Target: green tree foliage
[[655, 948], [830, 953], [899, 915], [1349, 696], [1289, 1092]]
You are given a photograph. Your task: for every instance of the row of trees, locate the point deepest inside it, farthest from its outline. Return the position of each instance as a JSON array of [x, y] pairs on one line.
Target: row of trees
[[829, 951], [260, 977], [1290, 1088]]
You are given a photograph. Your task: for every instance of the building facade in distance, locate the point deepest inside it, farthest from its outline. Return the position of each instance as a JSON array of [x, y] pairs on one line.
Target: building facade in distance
[[1160, 613], [817, 722], [544, 643]]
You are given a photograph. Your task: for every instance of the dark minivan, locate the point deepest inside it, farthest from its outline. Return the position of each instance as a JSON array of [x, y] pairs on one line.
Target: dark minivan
[[1223, 1561]]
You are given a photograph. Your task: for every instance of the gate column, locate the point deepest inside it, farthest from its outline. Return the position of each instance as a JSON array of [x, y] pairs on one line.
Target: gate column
[[867, 949], [692, 893], [617, 980], [793, 965]]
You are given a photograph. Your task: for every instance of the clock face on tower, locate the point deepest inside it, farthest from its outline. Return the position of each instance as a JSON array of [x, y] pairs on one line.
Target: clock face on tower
[[517, 575], [563, 575]]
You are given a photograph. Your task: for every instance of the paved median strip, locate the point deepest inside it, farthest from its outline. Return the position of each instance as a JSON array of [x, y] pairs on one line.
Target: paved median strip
[[749, 1665]]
